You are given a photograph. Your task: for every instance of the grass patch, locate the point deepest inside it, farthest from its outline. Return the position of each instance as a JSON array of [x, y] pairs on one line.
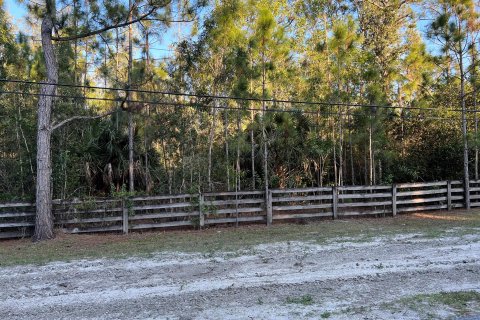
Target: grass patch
[[72, 247], [457, 300], [461, 301], [427, 305], [305, 300]]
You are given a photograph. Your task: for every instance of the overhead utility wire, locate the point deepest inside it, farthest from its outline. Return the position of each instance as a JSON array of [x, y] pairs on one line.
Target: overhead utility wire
[[167, 103], [197, 105], [337, 104]]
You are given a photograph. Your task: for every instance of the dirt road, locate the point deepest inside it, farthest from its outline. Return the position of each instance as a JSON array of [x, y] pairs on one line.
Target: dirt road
[[344, 279]]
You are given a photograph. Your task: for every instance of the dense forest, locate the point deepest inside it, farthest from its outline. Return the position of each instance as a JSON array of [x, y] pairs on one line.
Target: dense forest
[[177, 96]]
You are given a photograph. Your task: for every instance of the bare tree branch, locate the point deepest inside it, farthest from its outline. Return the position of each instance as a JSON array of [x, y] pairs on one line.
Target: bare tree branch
[[168, 21], [64, 122], [118, 25]]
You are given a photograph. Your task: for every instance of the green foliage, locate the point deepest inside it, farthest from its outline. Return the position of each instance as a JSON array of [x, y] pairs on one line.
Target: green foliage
[[361, 52], [123, 193], [460, 302], [209, 209], [305, 300]]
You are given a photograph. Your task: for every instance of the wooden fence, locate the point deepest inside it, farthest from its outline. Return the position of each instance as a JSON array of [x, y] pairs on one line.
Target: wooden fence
[[230, 208]]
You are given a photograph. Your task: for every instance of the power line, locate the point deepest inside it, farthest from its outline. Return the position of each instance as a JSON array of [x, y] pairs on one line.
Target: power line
[[199, 105], [207, 96], [167, 103]]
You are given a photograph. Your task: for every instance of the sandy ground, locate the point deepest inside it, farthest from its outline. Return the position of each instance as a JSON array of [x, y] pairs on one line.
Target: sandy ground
[[344, 279]]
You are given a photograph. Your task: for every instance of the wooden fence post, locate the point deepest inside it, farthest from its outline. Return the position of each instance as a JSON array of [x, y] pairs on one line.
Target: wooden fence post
[[124, 218], [269, 207], [466, 193], [201, 218], [449, 195], [335, 202], [394, 199]]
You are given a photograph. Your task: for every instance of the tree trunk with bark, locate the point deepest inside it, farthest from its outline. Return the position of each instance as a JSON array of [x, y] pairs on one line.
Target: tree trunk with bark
[[44, 217], [474, 76], [370, 154], [44, 222], [131, 184], [466, 179], [211, 137], [252, 145], [335, 168], [227, 155], [264, 130], [237, 163]]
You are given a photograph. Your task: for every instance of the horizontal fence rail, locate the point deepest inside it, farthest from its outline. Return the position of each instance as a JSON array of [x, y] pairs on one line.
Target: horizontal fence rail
[[234, 208]]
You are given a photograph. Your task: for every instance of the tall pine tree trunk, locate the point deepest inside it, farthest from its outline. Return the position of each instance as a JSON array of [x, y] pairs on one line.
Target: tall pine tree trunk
[[43, 201], [227, 155], [351, 151], [148, 180], [75, 47], [131, 184], [335, 168], [252, 145], [237, 165], [466, 179], [85, 70], [264, 129], [252, 141], [474, 76], [340, 149], [211, 137], [370, 154]]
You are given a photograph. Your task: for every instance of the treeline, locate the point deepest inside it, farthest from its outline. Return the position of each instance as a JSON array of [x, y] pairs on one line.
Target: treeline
[[327, 93]]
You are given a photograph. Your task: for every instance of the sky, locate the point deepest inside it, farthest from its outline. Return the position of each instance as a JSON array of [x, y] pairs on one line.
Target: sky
[[15, 10], [160, 50], [17, 13], [163, 49]]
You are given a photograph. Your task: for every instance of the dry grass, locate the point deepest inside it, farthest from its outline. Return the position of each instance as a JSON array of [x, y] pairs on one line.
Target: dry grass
[[71, 247], [456, 303]]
